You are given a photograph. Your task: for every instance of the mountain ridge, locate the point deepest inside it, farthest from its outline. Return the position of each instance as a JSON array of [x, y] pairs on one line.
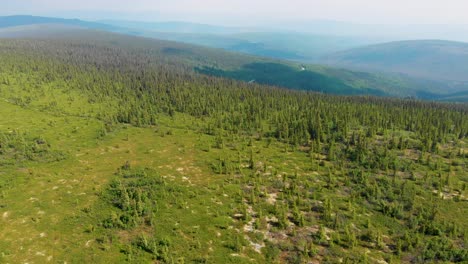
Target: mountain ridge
[[270, 71], [430, 59], [23, 20]]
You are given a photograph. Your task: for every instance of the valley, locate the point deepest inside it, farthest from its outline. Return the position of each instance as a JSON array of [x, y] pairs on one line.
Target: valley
[[357, 65]]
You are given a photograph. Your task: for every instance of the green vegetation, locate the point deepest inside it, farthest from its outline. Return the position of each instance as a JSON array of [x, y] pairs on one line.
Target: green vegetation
[[15, 147], [286, 76], [219, 63], [112, 152]]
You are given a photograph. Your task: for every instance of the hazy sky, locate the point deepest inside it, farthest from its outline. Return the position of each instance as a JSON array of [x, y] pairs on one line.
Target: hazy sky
[[251, 12]]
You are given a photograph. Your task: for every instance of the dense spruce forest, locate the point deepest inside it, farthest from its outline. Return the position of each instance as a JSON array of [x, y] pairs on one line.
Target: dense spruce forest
[[261, 70], [112, 152]]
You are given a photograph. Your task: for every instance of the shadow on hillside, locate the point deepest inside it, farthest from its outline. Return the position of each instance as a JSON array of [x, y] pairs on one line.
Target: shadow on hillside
[[461, 96], [176, 51], [281, 75]]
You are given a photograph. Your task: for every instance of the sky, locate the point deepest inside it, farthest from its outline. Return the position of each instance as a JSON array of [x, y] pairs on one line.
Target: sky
[[249, 12]]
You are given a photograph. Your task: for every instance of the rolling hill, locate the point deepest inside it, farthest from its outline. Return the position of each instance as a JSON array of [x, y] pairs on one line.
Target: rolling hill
[[174, 27], [262, 70], [23, 20], [429, 59], [220, 63], [255, 41], [281, 44], [301, 47]]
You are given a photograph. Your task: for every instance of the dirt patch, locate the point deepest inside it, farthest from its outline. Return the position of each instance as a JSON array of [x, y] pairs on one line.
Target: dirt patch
[[5, 215], [272, 198], [88, 243], [249, 228], [127, 236]]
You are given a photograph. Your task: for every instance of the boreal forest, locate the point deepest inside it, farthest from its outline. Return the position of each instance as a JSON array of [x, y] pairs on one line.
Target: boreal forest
[[122, 149]]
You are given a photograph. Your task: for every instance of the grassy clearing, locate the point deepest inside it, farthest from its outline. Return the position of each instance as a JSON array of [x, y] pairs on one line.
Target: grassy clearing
[[213, 204], [53, 210]]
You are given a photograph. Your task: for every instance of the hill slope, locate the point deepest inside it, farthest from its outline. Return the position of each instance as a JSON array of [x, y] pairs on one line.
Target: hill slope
[[281, 45], [256, 41], [430, 59], [13, 21], [220, 63], [112, 150], [174, 27], [226, 64]]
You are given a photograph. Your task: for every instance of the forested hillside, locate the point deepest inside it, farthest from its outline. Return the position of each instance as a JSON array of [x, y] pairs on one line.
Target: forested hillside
[[220, 63], [117, 151]]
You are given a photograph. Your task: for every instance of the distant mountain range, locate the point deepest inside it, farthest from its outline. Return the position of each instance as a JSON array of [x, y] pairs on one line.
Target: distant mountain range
[[13, 21], [395, 32], [276, 44], [175, 27], [422, 69], [429, 59]]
